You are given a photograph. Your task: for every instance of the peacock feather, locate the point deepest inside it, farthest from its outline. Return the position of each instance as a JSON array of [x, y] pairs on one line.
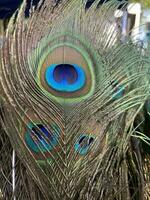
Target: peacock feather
[[71, 97]]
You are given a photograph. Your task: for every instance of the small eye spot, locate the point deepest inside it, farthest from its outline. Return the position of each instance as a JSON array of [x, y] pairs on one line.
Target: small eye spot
[[118, 90], [83, 144], [38, 138]]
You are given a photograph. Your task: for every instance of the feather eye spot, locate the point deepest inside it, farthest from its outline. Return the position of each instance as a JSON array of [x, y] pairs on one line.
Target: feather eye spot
[[65, 71], [39, 139], [83, 144], [65, 77]]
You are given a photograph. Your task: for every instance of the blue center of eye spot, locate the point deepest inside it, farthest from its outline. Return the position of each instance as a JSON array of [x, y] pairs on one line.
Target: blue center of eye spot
[[39, 139], [83, 144], [65, 77], [65, 72]]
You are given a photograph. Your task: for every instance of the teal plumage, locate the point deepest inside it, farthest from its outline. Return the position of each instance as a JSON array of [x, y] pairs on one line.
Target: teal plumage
[[71, 92]]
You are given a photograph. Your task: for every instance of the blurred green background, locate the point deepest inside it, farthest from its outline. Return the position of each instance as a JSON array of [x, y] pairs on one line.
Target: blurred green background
[[145, 3]]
